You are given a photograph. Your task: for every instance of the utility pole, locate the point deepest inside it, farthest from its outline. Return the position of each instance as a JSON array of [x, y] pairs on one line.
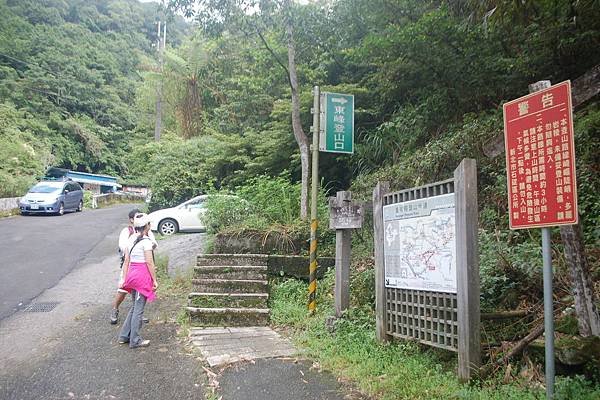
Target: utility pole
[[160, 46]]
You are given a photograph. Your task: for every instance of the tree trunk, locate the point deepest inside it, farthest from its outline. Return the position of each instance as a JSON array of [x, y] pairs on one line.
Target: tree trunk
[[583, 290], [301, 138]]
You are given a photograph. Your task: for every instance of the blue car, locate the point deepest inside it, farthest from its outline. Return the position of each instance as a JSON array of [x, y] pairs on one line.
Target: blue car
[[52, 197]]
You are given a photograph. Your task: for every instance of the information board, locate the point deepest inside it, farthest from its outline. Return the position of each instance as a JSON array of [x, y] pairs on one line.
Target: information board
[[420, 247], [540, 159]]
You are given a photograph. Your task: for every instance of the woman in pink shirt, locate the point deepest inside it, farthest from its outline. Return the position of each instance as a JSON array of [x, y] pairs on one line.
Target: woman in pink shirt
[[140, 281]]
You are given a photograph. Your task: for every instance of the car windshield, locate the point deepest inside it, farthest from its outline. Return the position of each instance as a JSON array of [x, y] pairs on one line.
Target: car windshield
[[193, 203], [45, 188]]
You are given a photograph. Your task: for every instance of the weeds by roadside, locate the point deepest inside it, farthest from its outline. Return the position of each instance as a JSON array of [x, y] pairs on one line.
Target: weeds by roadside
[[9, 213], [399, 370], [173, 292]]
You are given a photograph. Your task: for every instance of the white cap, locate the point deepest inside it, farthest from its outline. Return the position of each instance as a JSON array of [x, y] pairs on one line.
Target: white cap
[[140, 220]]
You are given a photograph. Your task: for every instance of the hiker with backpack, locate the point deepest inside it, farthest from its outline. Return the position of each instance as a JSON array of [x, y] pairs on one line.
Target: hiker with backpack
[[140, 281], [124, 239]]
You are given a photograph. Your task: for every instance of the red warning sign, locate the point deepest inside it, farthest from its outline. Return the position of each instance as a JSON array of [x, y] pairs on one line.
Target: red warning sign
[[540, 158]]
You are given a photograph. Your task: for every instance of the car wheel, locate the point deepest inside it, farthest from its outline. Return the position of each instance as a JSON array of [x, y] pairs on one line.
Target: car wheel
[[80, 206], [24, 213], [168, 227], [61, 209]]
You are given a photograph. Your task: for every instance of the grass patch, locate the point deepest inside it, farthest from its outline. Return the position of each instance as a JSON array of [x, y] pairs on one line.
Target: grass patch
[[173, 291], [209, 243], [177, 287], [160, 236], [399, 370], [9, 213]]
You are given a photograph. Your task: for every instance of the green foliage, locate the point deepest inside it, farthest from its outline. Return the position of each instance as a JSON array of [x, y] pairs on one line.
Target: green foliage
[[400, 370], [21, 158], [222, 211], [176, 287], [288, 303], [177, 172], [67, 80], [587, 142], [267, 207], [273, 201], [510, 268], [87, 199], [575, 388], [179, 169], [362, 288]]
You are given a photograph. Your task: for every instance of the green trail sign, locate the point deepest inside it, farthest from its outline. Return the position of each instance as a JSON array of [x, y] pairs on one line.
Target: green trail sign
[[337, 123]]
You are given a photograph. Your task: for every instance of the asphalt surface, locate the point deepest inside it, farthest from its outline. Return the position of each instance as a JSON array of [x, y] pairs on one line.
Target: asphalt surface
[[182, 250], [276, 379], [37, 251], [90, 364]]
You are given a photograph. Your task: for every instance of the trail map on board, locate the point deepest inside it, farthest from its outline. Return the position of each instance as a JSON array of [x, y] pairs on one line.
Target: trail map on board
[[419, 246]]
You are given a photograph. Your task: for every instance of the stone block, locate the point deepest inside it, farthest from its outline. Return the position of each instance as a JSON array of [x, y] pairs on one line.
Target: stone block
[[228, 316], [257, 272], [229, 286], [223, 300]]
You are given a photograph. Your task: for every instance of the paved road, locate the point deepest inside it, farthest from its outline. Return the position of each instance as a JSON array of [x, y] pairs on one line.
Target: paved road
[[88, 363], [72, 352], [275, 379], [37, 251]]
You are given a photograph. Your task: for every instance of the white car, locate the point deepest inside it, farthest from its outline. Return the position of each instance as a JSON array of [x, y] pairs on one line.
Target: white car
[[184, 217]]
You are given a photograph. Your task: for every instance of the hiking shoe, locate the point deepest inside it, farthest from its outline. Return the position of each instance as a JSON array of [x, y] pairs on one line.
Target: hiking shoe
[[123, 341], [143, 343], [114, 316]]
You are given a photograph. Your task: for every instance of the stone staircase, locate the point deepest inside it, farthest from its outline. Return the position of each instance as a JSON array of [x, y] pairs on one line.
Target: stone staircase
[[230, 290]]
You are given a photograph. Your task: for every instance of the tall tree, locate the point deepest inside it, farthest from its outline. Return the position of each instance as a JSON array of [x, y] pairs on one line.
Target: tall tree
[[255, 17], [184, 70], [299, 134]]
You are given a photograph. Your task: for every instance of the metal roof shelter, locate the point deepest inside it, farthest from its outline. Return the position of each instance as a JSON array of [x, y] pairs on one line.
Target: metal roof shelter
[[105, 183]]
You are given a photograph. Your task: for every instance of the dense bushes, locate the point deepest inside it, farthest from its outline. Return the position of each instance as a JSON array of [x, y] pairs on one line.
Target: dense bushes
[[68, 78], [22, 158], [267, 207]]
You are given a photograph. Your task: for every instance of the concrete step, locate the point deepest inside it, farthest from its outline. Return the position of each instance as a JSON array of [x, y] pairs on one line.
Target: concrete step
[[232, 259], [228, 316], [258, 272], [222, 300], [230, 285]]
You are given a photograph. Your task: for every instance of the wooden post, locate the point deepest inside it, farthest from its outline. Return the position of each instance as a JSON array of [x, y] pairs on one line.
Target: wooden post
[[343, 238], [378, 236], [343, 217], [467, 266]]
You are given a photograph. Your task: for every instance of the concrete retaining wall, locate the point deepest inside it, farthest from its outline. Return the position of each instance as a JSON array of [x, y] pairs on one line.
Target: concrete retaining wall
[[9, 203], [297, 266], [98, 200]]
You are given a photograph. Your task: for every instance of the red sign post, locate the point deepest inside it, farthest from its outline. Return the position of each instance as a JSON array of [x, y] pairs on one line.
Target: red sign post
[[540, 158]]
